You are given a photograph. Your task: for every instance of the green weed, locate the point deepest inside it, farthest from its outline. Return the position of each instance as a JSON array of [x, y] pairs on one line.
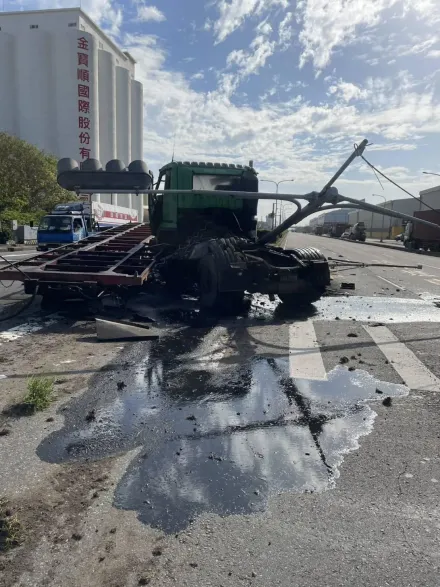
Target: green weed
[[11, 533], [39, 393]]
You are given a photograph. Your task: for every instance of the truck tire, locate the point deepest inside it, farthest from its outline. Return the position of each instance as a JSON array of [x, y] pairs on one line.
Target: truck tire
[[208, 283], [210, 297]]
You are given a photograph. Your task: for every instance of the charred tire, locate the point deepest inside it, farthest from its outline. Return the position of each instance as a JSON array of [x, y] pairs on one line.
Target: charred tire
[[208, 283], [210, 297]]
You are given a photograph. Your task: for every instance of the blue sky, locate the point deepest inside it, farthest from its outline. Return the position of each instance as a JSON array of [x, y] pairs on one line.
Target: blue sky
[[291, 84]]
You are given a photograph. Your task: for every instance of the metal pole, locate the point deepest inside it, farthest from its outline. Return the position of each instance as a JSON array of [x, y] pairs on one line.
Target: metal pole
[[371, 225], [273, 215], [383, 227]]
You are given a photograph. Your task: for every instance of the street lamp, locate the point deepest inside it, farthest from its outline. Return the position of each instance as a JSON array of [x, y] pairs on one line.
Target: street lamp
[[430, 173], [277, 183], [383, 215]]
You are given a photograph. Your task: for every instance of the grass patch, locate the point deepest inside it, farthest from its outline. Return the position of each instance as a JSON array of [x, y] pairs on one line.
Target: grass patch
[[11, 533], [39, 393]]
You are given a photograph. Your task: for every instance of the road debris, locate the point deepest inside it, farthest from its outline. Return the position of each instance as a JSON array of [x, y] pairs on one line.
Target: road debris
[[387, 401], [113, 330]]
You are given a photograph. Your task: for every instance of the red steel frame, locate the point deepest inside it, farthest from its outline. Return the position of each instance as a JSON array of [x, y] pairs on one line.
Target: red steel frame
[[118, 256]]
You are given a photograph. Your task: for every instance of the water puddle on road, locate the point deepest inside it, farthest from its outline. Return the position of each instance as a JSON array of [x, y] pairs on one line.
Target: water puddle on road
[[217, 433]]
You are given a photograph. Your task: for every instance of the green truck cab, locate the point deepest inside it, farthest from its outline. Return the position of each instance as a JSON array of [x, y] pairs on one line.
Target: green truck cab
[[175, 218]]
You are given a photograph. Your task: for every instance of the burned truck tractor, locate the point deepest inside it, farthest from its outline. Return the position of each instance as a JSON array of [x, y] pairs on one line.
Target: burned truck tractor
[[211, 238], [203, 218]]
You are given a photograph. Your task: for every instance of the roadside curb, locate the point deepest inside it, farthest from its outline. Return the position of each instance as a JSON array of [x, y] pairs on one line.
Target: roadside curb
[[402, 249]]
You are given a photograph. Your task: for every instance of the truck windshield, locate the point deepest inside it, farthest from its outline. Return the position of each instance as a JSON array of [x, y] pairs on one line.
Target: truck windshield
[[217, 182], [56, 224]]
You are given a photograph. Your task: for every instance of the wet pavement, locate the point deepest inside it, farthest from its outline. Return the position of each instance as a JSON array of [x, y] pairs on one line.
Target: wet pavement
[[219, 429]]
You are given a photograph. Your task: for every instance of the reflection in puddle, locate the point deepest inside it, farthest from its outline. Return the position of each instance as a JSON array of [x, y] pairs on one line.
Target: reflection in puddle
[[216, 436]]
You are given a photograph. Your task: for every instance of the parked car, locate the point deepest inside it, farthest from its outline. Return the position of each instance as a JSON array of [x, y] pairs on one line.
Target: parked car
[[345, 234]]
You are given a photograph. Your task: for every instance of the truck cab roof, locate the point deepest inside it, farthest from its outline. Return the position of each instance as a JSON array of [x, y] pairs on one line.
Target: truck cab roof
[[217, 168]]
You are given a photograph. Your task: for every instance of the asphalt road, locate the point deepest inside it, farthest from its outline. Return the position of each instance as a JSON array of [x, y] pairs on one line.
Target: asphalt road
[[264, 450], [10, 292], [412, 282]]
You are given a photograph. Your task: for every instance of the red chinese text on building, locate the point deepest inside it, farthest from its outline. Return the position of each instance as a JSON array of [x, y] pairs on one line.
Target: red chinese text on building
[[84, 152], [84, 106], [83, 122], [83, 75], [83, 91], [84, 138], [83, 43], [83, 59]]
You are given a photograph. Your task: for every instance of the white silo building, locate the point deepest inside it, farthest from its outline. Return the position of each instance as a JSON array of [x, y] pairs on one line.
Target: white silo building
[[68, 89]]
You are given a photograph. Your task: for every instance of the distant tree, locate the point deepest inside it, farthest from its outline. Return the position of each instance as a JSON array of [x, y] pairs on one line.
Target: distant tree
[[28, 184]]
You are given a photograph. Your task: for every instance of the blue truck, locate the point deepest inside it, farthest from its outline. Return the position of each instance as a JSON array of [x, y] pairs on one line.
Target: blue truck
[[74, 221]]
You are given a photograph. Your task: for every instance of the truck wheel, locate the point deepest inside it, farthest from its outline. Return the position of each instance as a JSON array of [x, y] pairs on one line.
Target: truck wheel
[[210, 297], [208, 282]]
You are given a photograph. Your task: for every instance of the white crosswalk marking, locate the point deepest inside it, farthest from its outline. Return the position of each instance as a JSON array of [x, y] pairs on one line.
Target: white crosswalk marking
[[305, 360], [404, 361]]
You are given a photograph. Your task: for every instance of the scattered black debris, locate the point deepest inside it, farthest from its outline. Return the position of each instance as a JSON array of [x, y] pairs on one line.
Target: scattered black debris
[[144, 581], [50, 419], [113, 531], [5, 432], [157, 552], [361, 362], [60, 381], [257, 492], [91, 416], [378, 390], [387, 362], [359, 354], [344, 360], [398, 289], [253, 574], [375, 324], [352, 335], [192, 418], [193, 565], [101, 558], [213, 457], [95, 495], [347, 285], [387, 402], [353, 357], [337, 318], [352, 368], [121, 385], [76, 536]]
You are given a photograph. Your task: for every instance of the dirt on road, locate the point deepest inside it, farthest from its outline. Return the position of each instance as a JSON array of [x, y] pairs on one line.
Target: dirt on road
[[64, 514]]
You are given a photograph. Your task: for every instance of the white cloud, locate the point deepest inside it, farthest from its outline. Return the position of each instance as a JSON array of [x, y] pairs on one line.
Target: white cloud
[[147, 13], [347, 91], [285, 31], [327, 25], [282, 137], [199, 75], [233, 13], [433, 54]]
